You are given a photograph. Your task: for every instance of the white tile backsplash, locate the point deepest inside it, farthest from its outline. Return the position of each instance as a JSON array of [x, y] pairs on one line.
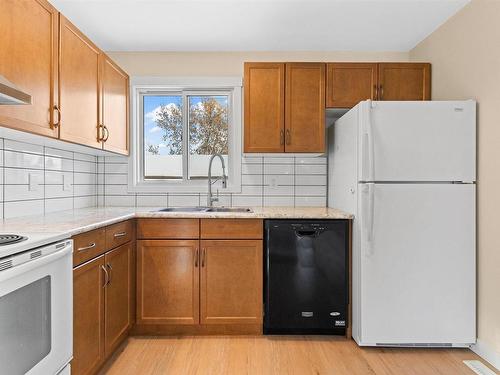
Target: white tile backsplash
[[62, 180], [268, 180], [36, 179]]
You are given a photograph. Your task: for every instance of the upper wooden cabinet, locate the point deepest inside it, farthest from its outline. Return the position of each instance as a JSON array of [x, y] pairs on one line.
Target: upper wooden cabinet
[[404, 81], [349, 83], [114, 107], [305, 107], [28, 58], [78, 93], [284, 107], [264, 107], [79, 86]]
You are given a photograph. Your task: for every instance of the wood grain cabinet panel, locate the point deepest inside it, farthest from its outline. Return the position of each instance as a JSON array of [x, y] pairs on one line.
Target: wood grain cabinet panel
[[118, 296], [167, 282], [305, 107], [231, 282], [119, 233], [88, 245], [114, 106], [168, 228], [88, 317], [349, 83], [231, 229], [78, 86], [28, 58], [264, 91], [404, 81]]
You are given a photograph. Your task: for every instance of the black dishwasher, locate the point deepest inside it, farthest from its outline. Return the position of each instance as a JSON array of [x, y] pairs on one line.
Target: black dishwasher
[[306, 276]]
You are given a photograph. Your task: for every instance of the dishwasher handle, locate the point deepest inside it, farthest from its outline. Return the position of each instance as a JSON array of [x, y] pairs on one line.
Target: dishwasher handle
[[307, 232]]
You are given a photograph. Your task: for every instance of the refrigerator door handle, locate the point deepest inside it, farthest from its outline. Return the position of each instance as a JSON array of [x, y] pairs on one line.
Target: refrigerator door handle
[[368, 207], [368, 146]]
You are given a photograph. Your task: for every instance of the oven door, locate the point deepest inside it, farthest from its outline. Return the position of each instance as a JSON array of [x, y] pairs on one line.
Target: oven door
[[36, 314]]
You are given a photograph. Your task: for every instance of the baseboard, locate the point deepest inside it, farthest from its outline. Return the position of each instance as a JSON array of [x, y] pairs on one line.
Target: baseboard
[[196, 329], [487, 353]]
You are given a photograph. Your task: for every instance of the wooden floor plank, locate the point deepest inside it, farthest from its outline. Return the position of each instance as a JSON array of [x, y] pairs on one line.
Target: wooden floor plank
[[278, 355]]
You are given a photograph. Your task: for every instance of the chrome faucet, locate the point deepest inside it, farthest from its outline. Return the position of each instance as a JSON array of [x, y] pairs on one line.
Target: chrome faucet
[[210, 198]]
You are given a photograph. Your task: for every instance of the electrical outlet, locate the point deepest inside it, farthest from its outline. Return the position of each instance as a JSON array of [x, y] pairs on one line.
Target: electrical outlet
[[273, 184], [34, 181], [66, 183]]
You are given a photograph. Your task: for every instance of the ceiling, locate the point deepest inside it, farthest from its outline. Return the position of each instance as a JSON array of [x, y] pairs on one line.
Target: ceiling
[[258, 25]]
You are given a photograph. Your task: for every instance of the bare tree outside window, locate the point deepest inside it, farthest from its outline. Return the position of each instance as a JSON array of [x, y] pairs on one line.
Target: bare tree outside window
[[206, 128]]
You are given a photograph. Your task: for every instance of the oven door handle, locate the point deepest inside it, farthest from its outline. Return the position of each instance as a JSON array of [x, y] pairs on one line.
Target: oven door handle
[[66, 249]]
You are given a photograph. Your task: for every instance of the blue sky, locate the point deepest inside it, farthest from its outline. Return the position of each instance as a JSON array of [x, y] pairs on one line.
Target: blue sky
[[154, 135]]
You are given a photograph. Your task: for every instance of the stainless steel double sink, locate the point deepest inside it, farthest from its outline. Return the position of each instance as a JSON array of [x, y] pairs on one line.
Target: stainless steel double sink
[[206, 209]]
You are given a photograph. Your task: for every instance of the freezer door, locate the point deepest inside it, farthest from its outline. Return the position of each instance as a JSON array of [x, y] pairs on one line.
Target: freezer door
[[417, 259], [417, 141]]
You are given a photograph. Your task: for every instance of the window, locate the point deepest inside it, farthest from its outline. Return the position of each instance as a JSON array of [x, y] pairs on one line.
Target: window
[[177, 129]]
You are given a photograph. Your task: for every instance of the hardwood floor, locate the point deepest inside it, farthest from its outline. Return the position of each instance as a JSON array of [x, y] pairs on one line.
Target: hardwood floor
[[217, 355]]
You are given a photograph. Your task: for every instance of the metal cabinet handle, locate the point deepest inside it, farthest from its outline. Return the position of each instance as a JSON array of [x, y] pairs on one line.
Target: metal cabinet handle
[[106, 133], [282, 137], [106, 274], [120, 234], [91, 246], [375, 90], [203, 255], [196, 258], [110, 274], [288, 136], [100, 133], [381, 92], [58, 110]]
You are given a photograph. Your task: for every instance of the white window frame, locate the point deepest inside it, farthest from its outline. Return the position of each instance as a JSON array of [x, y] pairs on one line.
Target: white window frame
[[231, 86]]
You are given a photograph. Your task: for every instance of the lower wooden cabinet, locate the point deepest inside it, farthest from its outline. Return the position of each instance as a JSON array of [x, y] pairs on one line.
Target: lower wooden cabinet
[[88, 317], [103, 304], [167, 282], [118, 295], [211, 284], [231, 282]]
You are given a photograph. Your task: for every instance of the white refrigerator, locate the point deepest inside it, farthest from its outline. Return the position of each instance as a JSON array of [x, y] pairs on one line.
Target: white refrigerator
[[407, 171]]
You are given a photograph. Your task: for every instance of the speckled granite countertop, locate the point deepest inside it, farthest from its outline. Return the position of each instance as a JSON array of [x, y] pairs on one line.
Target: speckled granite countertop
[[65, 224]]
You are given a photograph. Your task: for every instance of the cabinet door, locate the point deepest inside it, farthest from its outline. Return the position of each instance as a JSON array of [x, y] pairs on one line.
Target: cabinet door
[[264, 107], [28, 58], [231, 282], [114, 106], [167, 282], [349, 83], [88, 317], [79, 86], [404, 81], [118, 296], [305, 107]]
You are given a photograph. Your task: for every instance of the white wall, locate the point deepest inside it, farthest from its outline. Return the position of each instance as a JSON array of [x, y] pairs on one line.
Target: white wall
[[465, 57], [229, 63]]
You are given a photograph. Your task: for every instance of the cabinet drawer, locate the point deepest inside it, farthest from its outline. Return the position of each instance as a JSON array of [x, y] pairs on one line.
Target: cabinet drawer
[[231, 229], [88, 245], [118, 234], [168, 228]]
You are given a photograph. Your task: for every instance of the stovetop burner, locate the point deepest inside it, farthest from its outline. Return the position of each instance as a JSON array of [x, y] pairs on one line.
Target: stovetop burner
[[8, 239]]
